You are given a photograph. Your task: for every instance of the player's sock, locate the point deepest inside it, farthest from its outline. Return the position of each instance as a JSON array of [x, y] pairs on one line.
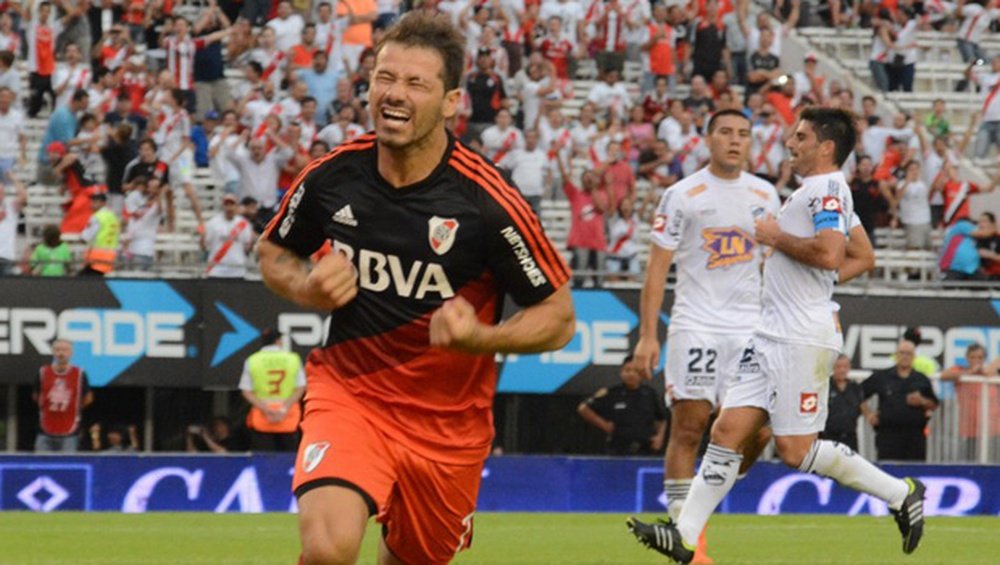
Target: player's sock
[[715, 478], [677, 492], [843, 464]]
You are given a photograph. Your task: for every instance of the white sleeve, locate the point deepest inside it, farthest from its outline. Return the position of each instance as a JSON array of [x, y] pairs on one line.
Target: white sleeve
[[245, 382], [669, 221]]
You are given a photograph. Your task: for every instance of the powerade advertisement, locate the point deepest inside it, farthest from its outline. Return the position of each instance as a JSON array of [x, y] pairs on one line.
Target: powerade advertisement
[[261, 483], [193, 333]]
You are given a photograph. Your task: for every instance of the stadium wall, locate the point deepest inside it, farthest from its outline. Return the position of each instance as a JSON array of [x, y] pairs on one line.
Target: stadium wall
[[196, 333], [261, 483]]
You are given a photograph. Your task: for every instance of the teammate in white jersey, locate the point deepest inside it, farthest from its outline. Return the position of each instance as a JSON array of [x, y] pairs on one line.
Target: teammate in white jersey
[[783, 373], [705, 225]]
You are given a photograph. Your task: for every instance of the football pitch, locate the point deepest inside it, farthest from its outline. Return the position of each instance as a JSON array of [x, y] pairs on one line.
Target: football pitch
[[509, 539]]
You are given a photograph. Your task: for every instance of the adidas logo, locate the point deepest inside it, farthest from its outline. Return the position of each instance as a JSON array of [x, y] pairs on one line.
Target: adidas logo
[[345, 216]]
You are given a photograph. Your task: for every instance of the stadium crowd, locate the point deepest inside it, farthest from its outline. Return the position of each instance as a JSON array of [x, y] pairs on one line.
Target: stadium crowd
[[138, 99]]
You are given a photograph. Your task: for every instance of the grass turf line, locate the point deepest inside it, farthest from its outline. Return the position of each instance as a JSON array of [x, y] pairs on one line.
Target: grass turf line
[[507, 539]]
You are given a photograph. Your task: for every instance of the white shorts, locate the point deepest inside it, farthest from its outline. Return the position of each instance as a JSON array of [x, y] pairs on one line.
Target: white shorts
[[182, 170], [700, 365], [789, 380]]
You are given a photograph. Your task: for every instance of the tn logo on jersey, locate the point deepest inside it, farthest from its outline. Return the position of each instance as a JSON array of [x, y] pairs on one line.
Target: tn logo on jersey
[[441, 233], [727, 246]]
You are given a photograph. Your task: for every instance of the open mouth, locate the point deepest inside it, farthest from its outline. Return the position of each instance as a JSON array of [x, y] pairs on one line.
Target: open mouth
[[395, 115]]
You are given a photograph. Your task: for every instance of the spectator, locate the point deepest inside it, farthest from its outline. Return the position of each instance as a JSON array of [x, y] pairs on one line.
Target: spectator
[[988, 244], [976, 19], [555, 47], [737, 36], [61, 393], [259, 167], [142, 214], [223, 169], [322, 80], [358, 35], [902, 68], [811, 84], [9, 76], [71, 76], [10, 212], [251, 212], [273, 383], [846, 403], [118, 152], [76, 25], [870, 201], [656, 101], [75, 184], [988, 134], [617, 178], [51, 257], [905, 402], [212, 90], [586, 240], [914, 209], [173, 137], [699, 99], [300, 56], [287, 26], [970, 400], [622, 260], [218, 437], [228, 238], [936, 123], [115, 440], [608, 43], [61, 128], [529, 168], [181, 49], [956, 193], [114, 47], [540, 86], [768, 149], [146, 165], [882, 45], [921, 363], [125, 113], [631, 414], [959, 258], [764, 65], [41, 37], [13, 143], [486, 93], [101, 235], [610, 96], [10, 39], [502, 137], [708, 52]]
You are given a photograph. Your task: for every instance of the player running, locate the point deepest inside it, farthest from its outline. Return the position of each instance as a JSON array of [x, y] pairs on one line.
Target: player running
[[427, 237], [783, 372], [706, 223]]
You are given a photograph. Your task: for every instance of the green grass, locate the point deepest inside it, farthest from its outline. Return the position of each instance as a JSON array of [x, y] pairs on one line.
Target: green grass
[[508, 539]]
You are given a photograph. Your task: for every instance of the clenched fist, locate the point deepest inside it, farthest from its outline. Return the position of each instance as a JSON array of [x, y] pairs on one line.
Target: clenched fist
[[455, 325], [332, 283]]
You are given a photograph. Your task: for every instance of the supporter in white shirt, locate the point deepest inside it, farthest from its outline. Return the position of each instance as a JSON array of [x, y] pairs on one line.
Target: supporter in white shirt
[[259, 105], [528, 166], [341, 129], [989, 130], [222, 168], [142, 215], [584, 130], [259, 168], [976, 19], [874, 138], [10, 210], [622, 254], [13, 142], [10, 77], [173, 137], [691, 149], [914, 208], [287, 26], [610, 95], [70, 76], [539, 86], [669, 129], [768, 148], [273, 61], [228, 238], [764, 21], [571, 12], [330, 33], [502, 137]]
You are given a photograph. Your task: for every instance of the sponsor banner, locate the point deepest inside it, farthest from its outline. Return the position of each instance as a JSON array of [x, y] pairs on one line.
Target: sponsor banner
[[196, 333], [262, 483]]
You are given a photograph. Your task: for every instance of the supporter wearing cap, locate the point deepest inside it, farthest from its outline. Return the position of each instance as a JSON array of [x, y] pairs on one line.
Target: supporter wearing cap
[[228, 238], [62, 127]]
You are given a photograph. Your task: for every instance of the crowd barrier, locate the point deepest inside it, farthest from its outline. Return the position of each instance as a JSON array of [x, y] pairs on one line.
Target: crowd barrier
[[261, 483]]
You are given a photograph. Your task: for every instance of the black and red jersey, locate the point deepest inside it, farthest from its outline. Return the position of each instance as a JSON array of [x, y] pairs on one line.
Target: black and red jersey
[[463, 231]]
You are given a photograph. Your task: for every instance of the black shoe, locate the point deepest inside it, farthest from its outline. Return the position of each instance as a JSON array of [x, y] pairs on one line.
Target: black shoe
[[910, 517], [661, 537]]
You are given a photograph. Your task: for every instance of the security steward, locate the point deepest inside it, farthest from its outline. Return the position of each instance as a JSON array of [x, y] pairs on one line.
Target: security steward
[[847, 402], [273, 383], [101, 234], [631, 414]]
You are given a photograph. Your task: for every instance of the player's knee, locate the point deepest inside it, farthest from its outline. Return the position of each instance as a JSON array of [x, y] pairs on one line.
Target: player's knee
[[725, 434], [791, 453], [319, 550]]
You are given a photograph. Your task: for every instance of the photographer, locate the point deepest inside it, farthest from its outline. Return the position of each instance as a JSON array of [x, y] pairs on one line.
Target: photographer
[[218, 437]]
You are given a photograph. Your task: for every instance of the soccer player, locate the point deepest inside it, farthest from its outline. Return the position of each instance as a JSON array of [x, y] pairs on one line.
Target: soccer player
[[705, 224], [427, 237], [782, 373]]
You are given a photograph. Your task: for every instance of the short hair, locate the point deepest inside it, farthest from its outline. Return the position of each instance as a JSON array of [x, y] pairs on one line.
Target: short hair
[[80, 94], [836, 125], [435, 32], [148, 141], [869, 98], [257, 67], [974, 347], [307, 99], [723, 113], [178, 95], [51, 235], [864, 157], [842, 356], [627, 359], [323, 144], [7, 58], [308, 26], [141, 179], [991, 216]]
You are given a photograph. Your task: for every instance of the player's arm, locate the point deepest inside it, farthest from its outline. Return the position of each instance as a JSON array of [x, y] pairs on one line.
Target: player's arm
[[647, 351], [545, 326], [859, 256], [327, 286], [824, 250]]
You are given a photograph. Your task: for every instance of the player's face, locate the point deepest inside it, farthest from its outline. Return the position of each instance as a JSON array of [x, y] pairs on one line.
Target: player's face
[[729, 142], [407, 96], [804, 148]]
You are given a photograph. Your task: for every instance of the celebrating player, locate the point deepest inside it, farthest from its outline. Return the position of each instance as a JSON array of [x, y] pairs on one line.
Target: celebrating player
[[427, 237], [782, 373], [706, 221]]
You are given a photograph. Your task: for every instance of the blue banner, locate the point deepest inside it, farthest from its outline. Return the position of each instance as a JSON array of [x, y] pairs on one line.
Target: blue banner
[[261, 483]]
